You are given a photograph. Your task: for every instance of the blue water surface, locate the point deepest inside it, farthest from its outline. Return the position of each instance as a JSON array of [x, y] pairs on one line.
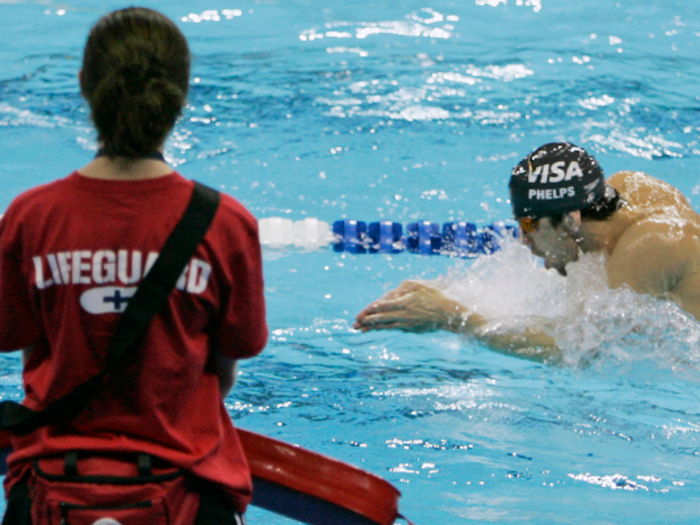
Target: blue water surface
[[414, 110]]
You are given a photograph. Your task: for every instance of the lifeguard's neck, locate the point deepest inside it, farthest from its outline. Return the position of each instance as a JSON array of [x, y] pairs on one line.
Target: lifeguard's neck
[[121, 168]]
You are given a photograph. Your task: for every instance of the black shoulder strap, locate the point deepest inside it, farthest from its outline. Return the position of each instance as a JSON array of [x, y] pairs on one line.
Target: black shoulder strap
[[143, 306]]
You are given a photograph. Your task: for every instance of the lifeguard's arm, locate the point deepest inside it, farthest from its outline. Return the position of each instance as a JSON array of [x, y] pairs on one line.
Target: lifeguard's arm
[[417, 307], [226, 370]]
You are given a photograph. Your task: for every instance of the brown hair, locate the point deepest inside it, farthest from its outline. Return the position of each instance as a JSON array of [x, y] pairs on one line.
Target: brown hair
[[135, 76]]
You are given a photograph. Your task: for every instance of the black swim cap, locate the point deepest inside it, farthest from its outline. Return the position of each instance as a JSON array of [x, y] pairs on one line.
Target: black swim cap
[[554, 179]]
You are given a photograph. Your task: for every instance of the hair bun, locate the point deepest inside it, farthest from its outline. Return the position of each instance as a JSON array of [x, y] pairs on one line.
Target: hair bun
[[137, 76]]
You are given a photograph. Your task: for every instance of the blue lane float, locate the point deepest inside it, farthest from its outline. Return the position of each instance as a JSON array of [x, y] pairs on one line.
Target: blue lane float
[[461, 239], [455, 239]]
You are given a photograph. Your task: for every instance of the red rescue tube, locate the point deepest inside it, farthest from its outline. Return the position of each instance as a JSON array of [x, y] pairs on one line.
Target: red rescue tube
[[316, 484]]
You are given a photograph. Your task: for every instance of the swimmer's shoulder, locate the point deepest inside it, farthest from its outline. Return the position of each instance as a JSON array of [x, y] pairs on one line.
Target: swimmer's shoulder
[[651, 195], [652, 256], [661, 247], [628, 181]]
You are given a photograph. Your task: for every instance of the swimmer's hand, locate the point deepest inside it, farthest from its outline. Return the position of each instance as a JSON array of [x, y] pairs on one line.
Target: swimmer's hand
[[415, 307]]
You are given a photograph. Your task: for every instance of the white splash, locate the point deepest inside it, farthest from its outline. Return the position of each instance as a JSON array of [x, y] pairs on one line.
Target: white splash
[[586, 318]]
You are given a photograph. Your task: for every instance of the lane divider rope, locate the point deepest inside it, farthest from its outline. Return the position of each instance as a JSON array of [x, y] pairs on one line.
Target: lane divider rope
[[455, 238]]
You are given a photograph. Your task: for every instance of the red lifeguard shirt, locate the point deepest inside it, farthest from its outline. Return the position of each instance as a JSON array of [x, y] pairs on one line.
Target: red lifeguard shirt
[[71, 254]]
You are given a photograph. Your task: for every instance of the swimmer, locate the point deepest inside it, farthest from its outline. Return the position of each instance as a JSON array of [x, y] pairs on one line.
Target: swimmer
[[646, 228]]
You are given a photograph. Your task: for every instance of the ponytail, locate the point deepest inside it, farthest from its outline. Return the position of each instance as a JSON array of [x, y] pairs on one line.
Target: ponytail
[[135, 77]]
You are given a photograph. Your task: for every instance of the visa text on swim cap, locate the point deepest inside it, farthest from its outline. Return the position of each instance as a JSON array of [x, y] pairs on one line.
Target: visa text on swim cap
[[553, 173]]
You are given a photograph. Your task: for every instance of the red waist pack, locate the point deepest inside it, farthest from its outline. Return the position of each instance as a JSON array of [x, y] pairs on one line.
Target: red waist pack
[[110, 491]]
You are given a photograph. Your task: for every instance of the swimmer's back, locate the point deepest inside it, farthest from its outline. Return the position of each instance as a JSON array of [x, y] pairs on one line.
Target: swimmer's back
[[659, 253]]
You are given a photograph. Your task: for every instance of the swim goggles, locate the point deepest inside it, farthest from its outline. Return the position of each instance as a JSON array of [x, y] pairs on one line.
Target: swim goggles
[[528, 224]]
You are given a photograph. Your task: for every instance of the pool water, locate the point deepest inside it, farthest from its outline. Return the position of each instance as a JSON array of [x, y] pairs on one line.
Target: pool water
[[408, 111]]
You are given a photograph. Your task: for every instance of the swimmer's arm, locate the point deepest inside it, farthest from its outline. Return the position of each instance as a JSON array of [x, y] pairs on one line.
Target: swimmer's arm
[[226, 370], [531, 343], [416, 307]]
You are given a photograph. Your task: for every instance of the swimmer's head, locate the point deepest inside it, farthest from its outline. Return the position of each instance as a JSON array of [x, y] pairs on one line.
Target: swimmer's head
[[555, 179]]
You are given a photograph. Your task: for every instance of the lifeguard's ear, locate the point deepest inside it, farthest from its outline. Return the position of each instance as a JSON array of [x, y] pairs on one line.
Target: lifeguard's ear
[[573, 220]]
